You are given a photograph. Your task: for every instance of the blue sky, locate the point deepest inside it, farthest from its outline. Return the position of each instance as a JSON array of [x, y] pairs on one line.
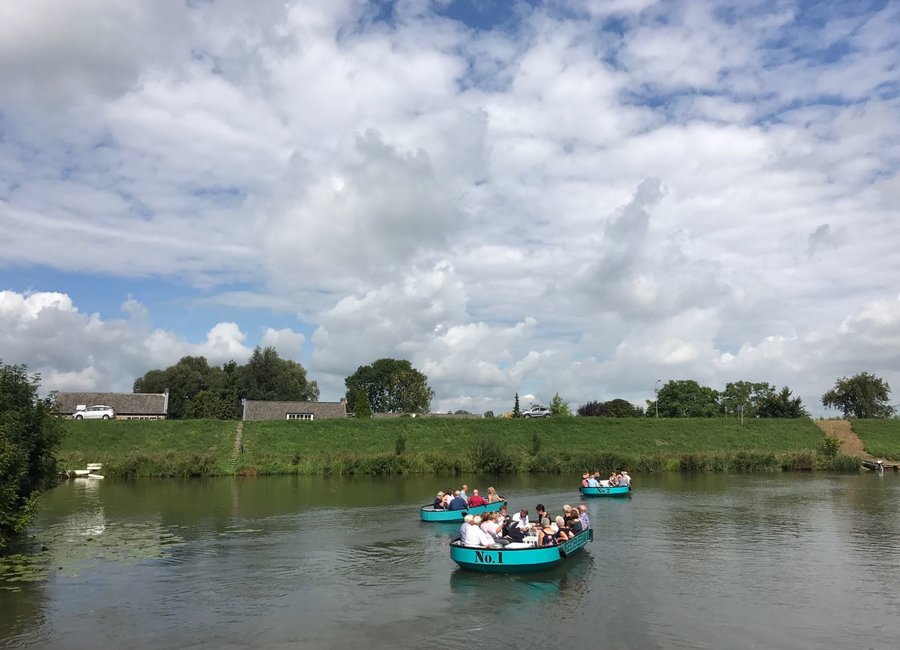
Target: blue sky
[[536, 197]]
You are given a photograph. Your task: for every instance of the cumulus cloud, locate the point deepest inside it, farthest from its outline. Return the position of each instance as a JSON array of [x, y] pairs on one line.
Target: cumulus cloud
[[77, 351], [584, 199]]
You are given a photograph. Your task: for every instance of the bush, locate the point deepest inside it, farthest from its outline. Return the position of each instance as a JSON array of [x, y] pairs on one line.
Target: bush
[[489, 457], [831, 446]]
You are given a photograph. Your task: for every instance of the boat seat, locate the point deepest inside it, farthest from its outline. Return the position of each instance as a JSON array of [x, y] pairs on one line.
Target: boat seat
[[518, 545]]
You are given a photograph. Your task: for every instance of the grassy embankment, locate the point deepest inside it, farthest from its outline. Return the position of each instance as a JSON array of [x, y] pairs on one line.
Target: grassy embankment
[[880, 437], [447, 447]]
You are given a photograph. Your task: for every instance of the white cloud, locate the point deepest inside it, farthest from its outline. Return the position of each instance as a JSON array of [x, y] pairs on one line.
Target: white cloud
[[595, 196]]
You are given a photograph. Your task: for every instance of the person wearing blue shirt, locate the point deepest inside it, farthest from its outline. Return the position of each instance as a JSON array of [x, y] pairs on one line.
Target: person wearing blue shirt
[[457, 502]]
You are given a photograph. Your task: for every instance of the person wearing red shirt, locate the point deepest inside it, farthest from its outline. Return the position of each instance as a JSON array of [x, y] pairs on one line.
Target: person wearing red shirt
[[476, 500]]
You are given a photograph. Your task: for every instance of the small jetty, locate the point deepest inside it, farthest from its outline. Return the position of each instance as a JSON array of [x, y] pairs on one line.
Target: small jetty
[[92, 471]]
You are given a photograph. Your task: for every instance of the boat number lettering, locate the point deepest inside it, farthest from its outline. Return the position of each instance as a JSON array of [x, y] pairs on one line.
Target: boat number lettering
[[488, 558]]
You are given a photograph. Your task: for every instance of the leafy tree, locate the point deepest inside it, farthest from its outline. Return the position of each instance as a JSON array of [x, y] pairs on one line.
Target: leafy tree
[[745, 396], [863, 395], [269, 377], [615, 408], [620, 408], [591, 409], [558, 406], [516, 412], [184, 380], [488, 414], [392, 386], [686, 398], [30, 433], [782, 405], [358, 403]]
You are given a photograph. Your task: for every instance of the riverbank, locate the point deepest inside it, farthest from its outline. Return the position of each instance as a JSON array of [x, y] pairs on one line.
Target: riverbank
[[187, 448]]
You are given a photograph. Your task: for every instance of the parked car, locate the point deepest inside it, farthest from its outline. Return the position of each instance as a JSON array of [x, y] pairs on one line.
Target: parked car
[[96, 412], [536, 412]]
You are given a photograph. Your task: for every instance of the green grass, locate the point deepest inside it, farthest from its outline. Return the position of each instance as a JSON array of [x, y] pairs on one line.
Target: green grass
[[880, 437], [148, 447], [443, 446]]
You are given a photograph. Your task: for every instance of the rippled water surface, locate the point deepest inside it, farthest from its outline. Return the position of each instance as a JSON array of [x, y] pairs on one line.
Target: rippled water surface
[[782, 561]]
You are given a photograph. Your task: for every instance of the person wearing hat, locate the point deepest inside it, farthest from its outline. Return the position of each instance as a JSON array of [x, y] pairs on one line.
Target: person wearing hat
[[438, 501]]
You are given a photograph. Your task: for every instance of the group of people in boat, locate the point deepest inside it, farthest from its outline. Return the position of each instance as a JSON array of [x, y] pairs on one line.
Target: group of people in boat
[[618, 478], [499, 529], [461, 499]]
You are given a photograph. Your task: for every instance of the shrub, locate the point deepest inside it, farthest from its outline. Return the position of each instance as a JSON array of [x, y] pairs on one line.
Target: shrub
[[831, 446]]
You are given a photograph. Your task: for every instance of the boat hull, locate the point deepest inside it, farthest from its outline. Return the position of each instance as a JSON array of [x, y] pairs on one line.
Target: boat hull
[[517, 560], [428, 513], [611, 491]]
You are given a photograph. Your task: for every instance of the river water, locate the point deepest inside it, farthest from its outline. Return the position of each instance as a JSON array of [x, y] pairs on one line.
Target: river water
[[781, 561]]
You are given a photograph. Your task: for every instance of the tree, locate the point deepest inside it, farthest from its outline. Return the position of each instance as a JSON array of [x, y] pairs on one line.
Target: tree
[[269, 377], [615, 408], [358, 403], [558, 406], [184, 381], [863, 395], [392, 386], [686, 398], [591, 409], [516, 412], [745, 397], [30, 433], [782, 405]]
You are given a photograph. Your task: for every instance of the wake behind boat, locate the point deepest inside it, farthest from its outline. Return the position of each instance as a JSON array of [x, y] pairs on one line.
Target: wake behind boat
[[430, 513]]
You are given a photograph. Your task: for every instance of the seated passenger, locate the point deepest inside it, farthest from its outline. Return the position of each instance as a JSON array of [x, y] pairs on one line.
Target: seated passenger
[[565, 533], [457, 503], [624, 479], [593, 482], [502, 517], [472, 535], [476, 500], [541, 512], [489, 526], [584, 479], [573, 522], [448, 497], [438, 501], [546, 536], [520, 519], [493, 497], [512, 532], [614, 480]]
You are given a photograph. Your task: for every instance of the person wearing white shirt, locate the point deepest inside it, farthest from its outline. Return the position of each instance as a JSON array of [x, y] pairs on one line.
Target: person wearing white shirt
[[472, 535]]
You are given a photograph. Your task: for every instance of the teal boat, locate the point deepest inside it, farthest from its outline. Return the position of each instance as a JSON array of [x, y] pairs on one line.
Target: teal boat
[[429, 513], [606, 491], [517, 557]]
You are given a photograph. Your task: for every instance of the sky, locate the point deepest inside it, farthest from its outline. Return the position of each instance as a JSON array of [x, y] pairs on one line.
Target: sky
[[588, 197]]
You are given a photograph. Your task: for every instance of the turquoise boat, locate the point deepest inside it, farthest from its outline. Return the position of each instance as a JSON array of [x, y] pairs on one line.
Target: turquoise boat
[[517, 557], [606, 491], [428, 513]]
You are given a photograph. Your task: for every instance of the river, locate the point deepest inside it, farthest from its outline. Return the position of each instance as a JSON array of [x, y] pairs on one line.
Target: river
[[779, 561]]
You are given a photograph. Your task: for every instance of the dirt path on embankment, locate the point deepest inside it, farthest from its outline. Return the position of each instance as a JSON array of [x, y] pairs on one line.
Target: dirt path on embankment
[[851, 445]]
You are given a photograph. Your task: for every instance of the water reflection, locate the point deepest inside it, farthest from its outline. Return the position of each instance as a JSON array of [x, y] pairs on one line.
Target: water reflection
[[738, 562]]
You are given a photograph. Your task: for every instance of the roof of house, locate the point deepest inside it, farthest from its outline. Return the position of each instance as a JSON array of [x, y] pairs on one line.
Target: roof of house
[[123, 403], [266, 410]]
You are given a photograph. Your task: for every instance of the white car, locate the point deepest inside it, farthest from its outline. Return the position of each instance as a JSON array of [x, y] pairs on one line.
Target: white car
[[536, 412], [96, 412]]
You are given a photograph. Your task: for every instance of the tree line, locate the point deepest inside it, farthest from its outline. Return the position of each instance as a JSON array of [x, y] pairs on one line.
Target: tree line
[[199, 390], [863, 395]]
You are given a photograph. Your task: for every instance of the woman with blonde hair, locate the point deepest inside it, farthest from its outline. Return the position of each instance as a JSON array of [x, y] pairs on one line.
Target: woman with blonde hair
[[493, 497]]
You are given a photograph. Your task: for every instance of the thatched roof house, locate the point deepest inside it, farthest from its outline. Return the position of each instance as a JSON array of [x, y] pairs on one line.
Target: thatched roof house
[[128, 406], [265, 410]]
